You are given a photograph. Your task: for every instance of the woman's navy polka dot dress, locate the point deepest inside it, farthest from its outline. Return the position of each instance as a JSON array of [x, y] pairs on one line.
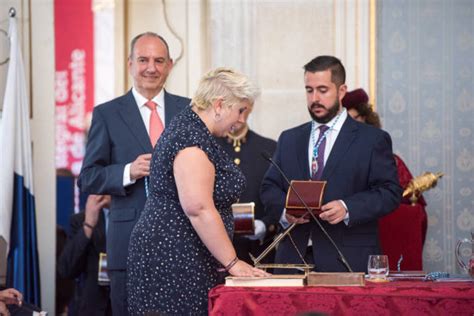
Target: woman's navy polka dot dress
[[170, 270]]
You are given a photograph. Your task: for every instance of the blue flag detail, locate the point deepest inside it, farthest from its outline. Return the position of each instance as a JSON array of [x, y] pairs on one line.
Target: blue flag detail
[[23, 270]]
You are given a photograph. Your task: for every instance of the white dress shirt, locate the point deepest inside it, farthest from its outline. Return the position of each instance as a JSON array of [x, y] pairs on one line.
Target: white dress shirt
[[145, 112], [334, 129]]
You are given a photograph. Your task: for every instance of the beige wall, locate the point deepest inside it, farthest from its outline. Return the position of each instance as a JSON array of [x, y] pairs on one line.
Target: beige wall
[[286, 39], [272, 40], [42, 129], [182, 23]]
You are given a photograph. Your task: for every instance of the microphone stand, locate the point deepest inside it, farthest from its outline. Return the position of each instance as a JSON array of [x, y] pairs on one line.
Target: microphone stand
[[308, 210]]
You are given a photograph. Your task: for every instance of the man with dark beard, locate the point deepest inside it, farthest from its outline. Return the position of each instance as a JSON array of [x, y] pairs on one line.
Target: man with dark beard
[[357, 162]]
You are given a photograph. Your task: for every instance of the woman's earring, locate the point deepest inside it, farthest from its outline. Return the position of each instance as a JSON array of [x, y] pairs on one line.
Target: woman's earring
[[217, 117]]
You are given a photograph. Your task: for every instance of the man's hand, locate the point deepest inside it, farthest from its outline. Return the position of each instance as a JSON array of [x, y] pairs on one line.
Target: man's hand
[[11, 296], [140, 167], [260, 231], [94, 205], [333, 212], [3, 309], [298, 220]]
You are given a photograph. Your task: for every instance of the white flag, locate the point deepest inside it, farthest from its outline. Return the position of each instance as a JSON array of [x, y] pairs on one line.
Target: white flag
[[15, 139]]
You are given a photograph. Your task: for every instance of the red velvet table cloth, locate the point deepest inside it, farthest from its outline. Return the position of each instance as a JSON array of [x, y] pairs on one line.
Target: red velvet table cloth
[[393, 298]]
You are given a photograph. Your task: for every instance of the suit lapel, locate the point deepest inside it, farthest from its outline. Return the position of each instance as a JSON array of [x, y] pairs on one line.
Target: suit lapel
[[344, 140], [302, 147], [131, 115], [171, 107]]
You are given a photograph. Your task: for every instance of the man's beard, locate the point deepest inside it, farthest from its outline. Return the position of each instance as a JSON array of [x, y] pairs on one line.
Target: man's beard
[[332, 112]]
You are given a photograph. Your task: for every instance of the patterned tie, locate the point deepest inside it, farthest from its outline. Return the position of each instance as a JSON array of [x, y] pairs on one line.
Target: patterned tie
[[317, 169], [156, 126]]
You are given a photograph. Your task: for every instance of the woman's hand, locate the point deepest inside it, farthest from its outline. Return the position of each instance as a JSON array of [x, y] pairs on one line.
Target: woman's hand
[[243, 269]]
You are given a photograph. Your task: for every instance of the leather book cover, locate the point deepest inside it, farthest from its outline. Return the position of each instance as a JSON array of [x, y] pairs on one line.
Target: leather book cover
[[244, 218], [336, 279], [312, 194], [103, 276]]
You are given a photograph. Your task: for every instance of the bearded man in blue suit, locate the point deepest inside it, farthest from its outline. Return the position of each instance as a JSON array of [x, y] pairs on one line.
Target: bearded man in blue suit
[[118, 151], [357, 162]]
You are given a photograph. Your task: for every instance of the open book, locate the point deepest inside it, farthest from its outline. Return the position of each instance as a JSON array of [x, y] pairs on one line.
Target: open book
[[274, 280]]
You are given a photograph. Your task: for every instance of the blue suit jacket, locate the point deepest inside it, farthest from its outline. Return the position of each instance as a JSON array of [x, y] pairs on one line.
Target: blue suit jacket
[[360, 170], [117, 137]]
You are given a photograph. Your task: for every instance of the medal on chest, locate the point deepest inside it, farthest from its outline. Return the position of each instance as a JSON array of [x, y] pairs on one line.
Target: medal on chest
[[314, 166], [237, 142]]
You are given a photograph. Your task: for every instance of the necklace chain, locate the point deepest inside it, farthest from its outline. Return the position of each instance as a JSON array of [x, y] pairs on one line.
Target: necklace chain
[[313, 135]]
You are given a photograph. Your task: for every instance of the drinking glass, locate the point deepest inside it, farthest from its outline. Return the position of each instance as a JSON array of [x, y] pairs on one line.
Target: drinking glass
[[378, 267]]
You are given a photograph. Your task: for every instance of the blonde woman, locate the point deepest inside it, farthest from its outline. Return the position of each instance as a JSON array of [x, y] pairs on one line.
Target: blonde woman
[[183, 237]]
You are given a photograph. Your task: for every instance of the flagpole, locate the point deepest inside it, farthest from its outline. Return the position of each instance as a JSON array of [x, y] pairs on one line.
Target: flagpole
[[17, 201]]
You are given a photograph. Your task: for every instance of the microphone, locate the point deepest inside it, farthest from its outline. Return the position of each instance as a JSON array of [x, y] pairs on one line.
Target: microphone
[[267, 157]]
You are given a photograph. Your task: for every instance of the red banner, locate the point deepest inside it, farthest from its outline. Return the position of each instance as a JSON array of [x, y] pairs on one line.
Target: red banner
[[74, 86]]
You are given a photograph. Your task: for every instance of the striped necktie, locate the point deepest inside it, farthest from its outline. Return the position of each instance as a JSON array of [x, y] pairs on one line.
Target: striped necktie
[[317, 165]]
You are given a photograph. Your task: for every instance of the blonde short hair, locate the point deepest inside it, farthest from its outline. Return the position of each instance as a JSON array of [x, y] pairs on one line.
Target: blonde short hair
[[226, 83]]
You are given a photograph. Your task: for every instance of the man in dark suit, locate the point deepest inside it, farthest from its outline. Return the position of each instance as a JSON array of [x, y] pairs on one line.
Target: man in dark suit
[[245, 147], [357, 162], [118, 152], [80, 257]]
